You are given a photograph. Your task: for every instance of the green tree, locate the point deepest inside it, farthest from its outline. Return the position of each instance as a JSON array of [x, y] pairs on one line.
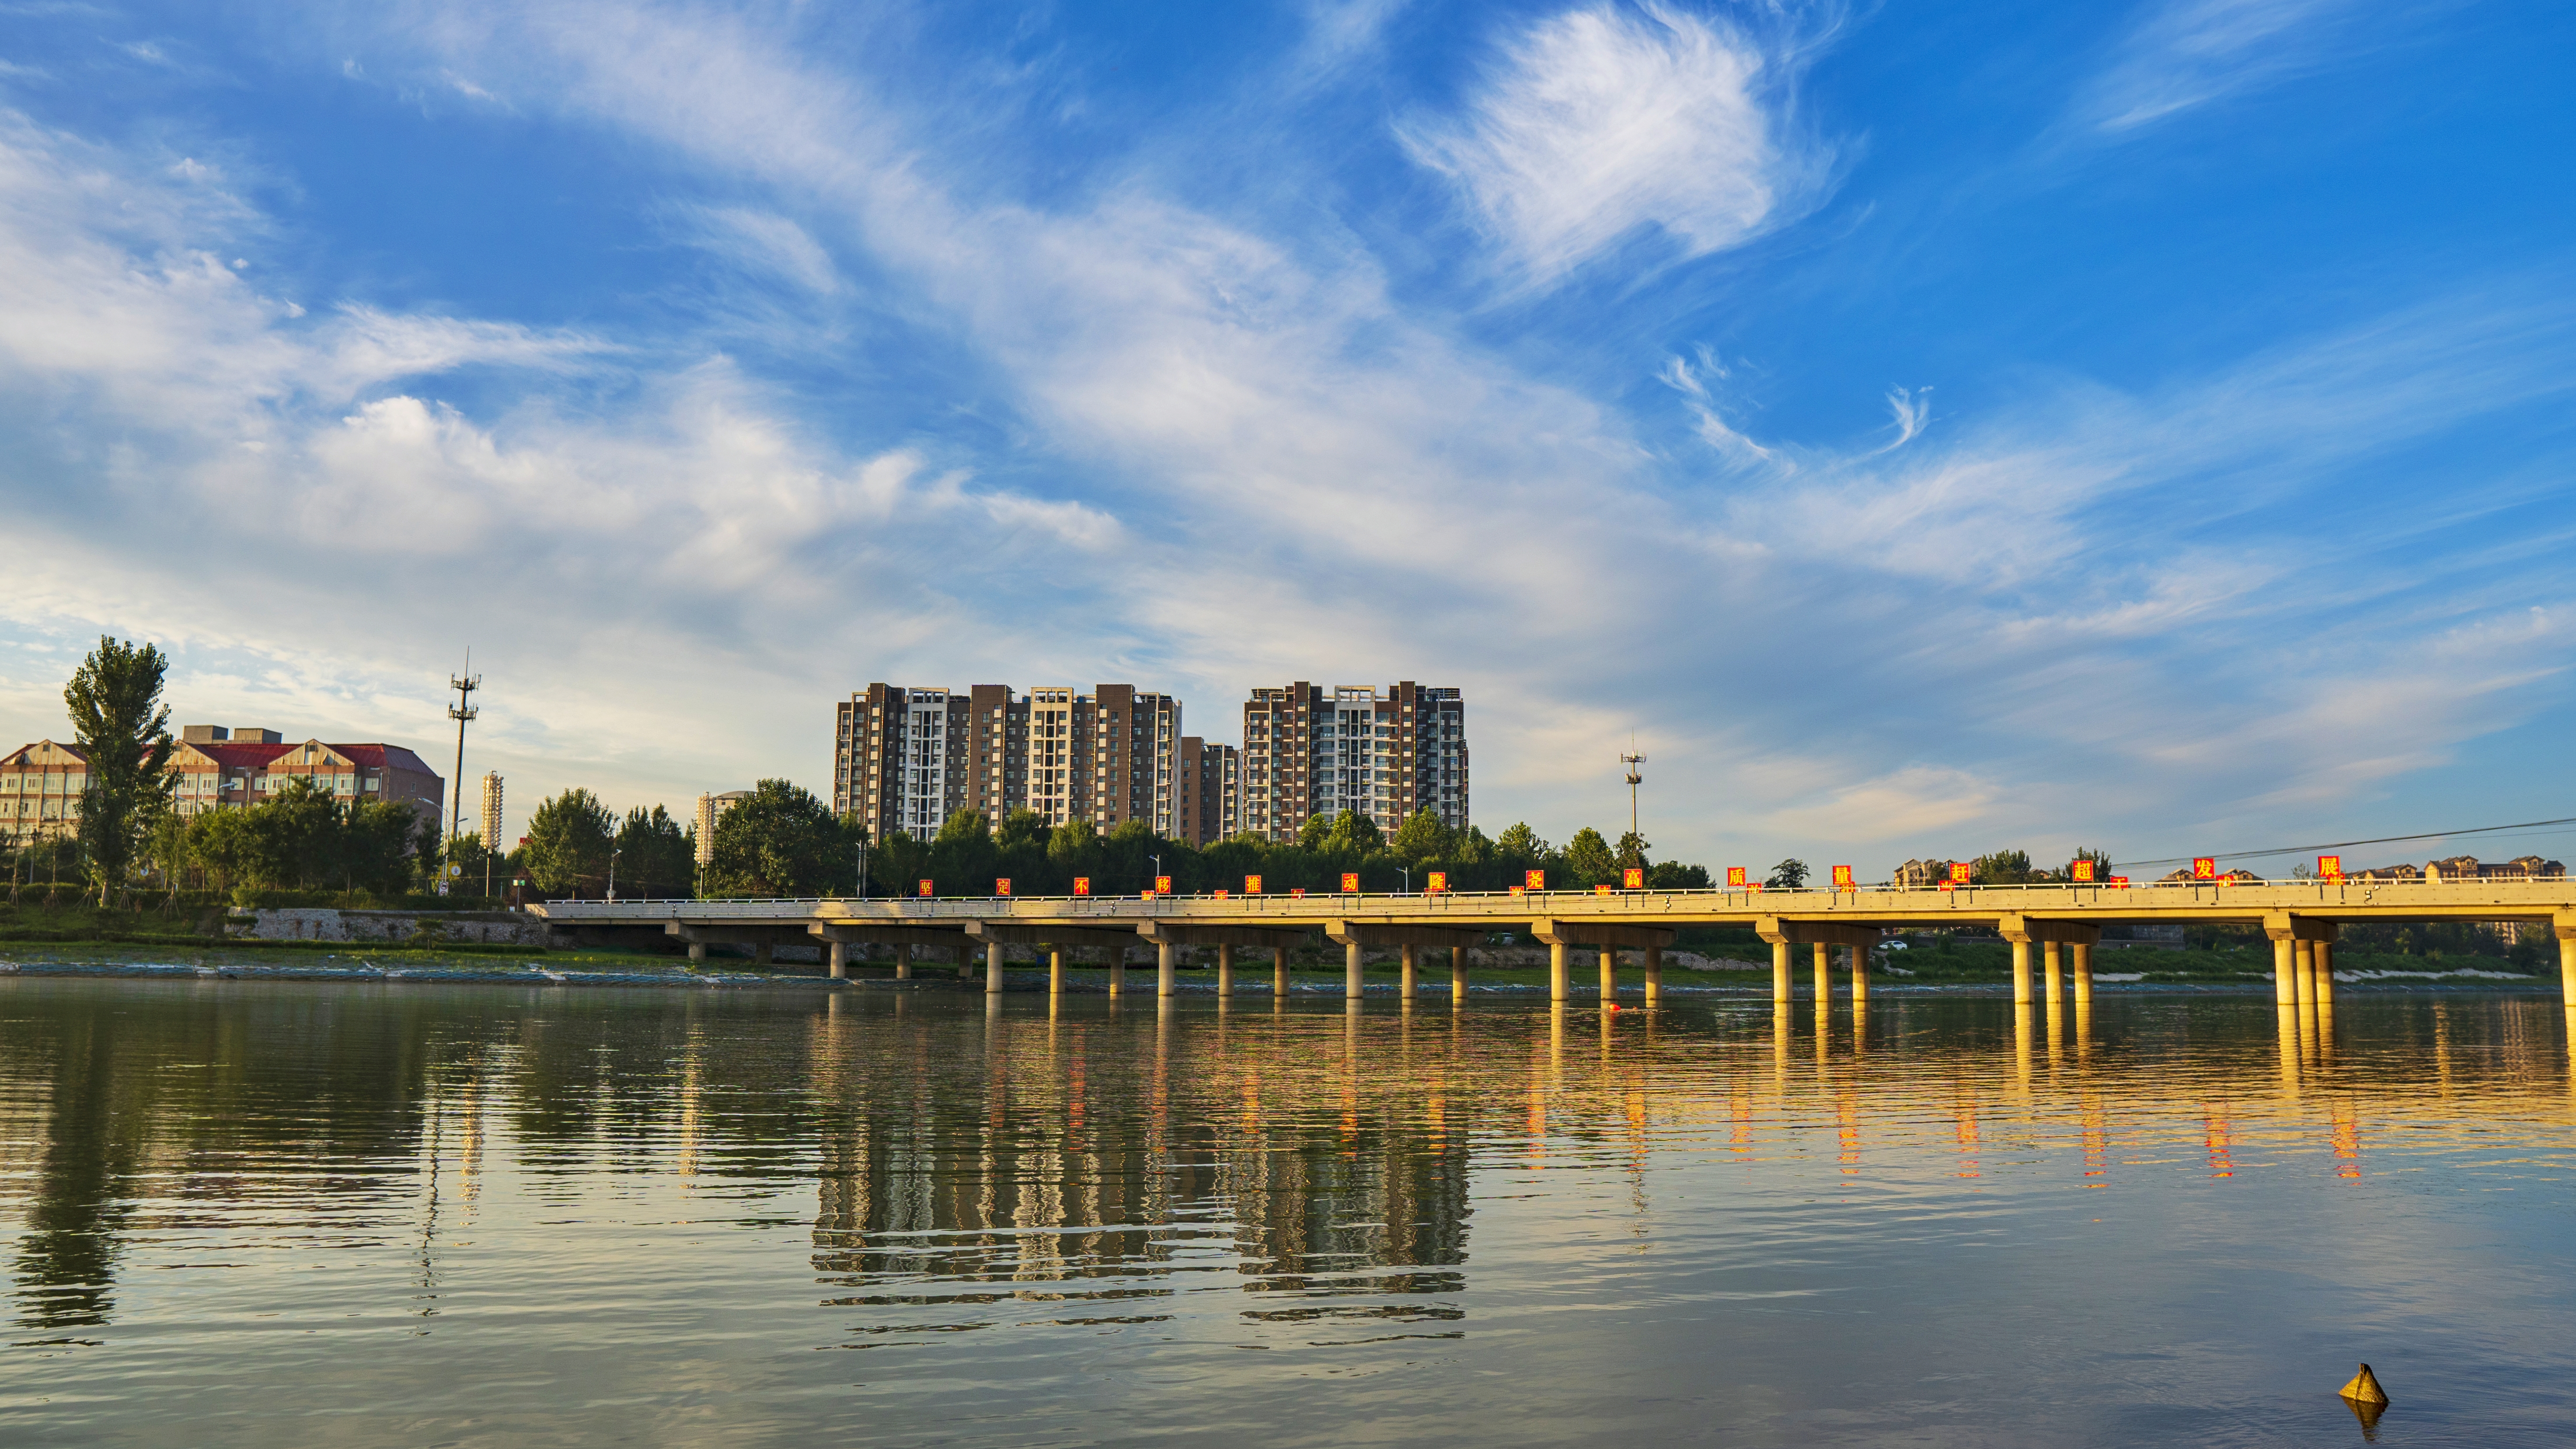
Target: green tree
[[1020, 829], [781, 841], [123, 730], [1354, 834], [656, 859], [1520, 843], [1668, 875], [293, 837], [568, 842], [1421, 838], [1632, 851], [1588, 859], [1788, 875], [2002, 867]]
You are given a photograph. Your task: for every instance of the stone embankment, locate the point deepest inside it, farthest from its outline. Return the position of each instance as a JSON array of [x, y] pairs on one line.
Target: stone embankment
[[393, 928]]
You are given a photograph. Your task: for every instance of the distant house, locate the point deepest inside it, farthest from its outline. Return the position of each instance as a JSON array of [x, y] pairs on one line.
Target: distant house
[[1921, 875], [2468, 867]]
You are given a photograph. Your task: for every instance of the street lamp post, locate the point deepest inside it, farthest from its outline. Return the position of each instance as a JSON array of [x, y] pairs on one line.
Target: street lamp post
[[614, 851]]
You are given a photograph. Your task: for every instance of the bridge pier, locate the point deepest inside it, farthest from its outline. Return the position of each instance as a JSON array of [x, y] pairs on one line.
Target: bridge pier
[[1457, 975], [1279, 973], [2325, 974], [902, 961], [697, 953], [1117, 972], [2303, 973], [1164, 952], [1224, 972], [2285, 965], [1354, 981], [1055, 971], [2051, 962], [2083, 976], [2021, 989], [839, 964], [1412, 984], [2565, 929], [992, 968], [1609, 976], [1556, 983], [1824, 975], [1654, 977], [1860, 978], [1780, 992]]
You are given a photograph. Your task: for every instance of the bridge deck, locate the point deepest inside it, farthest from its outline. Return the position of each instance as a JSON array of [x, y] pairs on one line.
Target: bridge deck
[[2536, 901]]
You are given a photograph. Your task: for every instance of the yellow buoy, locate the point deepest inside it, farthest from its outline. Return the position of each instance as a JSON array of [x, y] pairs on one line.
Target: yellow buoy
[[2365, 1389]]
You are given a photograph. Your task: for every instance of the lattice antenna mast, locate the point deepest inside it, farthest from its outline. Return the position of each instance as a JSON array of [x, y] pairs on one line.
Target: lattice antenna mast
[[1634, 780], [463, 712]]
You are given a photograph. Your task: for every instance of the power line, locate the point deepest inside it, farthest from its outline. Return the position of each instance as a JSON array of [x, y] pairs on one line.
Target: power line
[[2342, 844]]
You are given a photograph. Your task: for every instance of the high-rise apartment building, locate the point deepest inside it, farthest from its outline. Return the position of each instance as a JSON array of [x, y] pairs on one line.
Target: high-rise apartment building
[[491, 810], [908, 758], [1309, 751], [1210, 798]]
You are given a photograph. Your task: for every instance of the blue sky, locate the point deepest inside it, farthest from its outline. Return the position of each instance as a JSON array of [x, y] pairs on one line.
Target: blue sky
[[1924, 429]]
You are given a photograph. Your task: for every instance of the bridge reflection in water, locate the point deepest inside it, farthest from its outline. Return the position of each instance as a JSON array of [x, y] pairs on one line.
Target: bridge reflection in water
[[948, 1163]]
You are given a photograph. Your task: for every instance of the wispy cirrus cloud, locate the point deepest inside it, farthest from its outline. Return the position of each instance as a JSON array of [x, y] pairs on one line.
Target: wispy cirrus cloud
[[2188, 53], [1593, 124]]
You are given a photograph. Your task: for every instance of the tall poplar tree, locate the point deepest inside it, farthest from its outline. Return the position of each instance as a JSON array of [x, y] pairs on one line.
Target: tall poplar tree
[[121, 724]]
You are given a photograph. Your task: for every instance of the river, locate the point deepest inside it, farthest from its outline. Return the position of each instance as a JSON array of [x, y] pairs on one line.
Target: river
[[247, 1213]]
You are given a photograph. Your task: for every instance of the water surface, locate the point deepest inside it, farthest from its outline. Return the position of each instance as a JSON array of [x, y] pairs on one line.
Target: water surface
[[324, 1213]]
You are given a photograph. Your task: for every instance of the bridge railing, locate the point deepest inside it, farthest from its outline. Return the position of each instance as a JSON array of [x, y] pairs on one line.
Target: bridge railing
[[2515, 896]]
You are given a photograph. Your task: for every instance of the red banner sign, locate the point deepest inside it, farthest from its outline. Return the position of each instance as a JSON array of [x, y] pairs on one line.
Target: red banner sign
[[925, 887], [2204, 868], [1520, 890], [1633, 878], [2082, 870], [1602, 889], [1842, 878], [2329, 867], [1536, 880], [1735, 875], [1252, 885], [1220, 893], [1439, 882], [1295, 891], [1959, 872], [1082, 885], [1350, 882], [1002, 887], [1162, 885]]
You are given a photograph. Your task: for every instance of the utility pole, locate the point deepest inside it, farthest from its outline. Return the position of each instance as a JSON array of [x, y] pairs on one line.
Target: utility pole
[[1634, 780], [463, 711]]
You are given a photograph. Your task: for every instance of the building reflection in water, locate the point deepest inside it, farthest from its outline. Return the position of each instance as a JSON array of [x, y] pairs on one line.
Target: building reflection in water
[[1075, 1162]]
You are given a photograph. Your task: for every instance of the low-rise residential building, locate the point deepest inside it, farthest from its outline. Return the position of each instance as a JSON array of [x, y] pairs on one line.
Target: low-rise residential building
[[213, 768]]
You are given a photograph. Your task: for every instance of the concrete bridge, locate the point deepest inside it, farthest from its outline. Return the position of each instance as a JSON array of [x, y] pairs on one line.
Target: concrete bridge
[[2302, 918]]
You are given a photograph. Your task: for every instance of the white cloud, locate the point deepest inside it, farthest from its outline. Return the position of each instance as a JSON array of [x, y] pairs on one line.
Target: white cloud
[[761, 242], [1599, 121], [2188, 53]]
